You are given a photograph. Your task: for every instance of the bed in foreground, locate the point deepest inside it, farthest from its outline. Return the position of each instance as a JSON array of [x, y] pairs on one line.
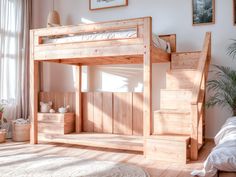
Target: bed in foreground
[[223, 156]]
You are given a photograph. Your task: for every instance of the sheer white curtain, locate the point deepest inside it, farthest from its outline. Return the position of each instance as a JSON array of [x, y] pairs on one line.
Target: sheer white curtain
[[14, 32]]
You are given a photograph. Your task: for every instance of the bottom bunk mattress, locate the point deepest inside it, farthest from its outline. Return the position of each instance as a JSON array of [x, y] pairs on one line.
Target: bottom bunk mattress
[[223, 156], [99, 36]]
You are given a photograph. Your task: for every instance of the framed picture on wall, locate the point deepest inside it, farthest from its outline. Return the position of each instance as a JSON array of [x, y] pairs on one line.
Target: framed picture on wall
[[234, 11], [203, 12], [103, 4]]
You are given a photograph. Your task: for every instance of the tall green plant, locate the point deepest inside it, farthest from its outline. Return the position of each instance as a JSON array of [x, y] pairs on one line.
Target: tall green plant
[[223, 86], [232, 49]]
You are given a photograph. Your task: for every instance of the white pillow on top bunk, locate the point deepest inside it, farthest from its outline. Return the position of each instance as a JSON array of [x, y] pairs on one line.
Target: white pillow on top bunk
[[160, 43]]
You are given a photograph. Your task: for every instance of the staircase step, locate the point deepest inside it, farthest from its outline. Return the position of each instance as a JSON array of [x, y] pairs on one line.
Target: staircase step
[[180, 78], [171, 122], [170, 148], [175, 99], [187, 60]]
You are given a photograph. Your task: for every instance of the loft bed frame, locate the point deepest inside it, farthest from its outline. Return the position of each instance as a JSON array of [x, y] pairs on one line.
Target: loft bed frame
[[136, 50]]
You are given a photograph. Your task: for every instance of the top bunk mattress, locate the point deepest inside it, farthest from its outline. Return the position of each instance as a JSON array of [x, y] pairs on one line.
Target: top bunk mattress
[[99, 36]]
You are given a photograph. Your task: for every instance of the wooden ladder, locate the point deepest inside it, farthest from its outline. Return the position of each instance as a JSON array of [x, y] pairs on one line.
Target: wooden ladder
[[178, 127]]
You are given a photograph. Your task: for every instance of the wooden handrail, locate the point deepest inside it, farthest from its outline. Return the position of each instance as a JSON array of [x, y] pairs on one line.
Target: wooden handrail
[[205, 55], [202, 69]]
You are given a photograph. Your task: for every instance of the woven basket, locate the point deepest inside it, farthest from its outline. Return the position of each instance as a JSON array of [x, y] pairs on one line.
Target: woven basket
[[20, 132]]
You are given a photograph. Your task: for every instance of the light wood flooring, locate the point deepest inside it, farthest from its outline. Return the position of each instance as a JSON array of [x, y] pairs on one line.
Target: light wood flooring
[[155, 169]]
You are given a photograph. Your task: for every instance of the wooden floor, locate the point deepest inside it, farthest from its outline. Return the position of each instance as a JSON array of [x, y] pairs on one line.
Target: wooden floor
[[155, 169]]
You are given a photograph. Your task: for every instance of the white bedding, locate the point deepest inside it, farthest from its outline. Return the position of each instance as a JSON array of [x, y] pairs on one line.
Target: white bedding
[[121, 34], [223, 156]]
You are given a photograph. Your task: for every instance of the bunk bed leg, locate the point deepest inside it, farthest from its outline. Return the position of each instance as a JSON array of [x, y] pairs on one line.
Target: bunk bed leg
[[34, 91], [147, 77], [78, 98]]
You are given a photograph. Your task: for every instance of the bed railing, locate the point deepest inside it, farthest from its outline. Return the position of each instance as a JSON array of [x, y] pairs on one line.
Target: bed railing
[[123, 46], [198, 97]]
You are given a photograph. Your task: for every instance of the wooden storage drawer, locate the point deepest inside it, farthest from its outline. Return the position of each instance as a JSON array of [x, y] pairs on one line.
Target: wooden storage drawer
[[168, 149], [56, 123]]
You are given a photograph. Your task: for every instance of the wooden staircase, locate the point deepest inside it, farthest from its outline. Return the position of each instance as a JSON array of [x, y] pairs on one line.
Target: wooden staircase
[[178, 127]]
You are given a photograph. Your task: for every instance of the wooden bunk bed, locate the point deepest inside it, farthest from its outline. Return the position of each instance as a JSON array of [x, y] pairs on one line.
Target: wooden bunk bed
[[128, 116]]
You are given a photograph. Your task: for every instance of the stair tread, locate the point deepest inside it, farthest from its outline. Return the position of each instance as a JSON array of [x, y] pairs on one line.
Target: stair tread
[[173, 111], [171, 137]]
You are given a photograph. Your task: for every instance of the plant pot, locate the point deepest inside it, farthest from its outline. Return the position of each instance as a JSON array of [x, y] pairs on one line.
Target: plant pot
[[2, 135], [20, 132]]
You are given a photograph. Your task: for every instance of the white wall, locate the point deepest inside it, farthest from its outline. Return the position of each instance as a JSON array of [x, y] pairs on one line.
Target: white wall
[[169, 16]]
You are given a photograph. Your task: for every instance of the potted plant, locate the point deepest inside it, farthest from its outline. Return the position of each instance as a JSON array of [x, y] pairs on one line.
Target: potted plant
[[2, 120], [223, 85]]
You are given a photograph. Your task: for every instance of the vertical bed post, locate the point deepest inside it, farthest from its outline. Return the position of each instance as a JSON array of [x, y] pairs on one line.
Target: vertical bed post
[[78, 98], [147, 77], [34, 90]]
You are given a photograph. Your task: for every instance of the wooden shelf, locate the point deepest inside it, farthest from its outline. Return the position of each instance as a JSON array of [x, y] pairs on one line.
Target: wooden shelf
[[102, 140]]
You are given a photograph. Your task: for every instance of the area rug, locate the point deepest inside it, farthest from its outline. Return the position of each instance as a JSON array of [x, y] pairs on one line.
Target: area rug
[[31, 165]]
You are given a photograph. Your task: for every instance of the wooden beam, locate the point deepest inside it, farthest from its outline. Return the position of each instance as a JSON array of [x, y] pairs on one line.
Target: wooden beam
[[34, 91], [194, 132], [205, 54], [147, 77], [199, 84], [78, 100]]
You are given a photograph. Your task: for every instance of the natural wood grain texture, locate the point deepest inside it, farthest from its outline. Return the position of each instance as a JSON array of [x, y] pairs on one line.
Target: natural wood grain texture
[[175, 99], [181, 106], [199, 85], [98, 112], [88, 116], [194, 132], [85, 28], [172, 122], [159, 55], [56, 123], [78, 100], [107, 112], [122, 106], [180, 79], [204, 57], [112, 141], [185, 60], [113, 51], [107, 51], [137, 114], [167, 149], [147, 77], [34, 90]]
